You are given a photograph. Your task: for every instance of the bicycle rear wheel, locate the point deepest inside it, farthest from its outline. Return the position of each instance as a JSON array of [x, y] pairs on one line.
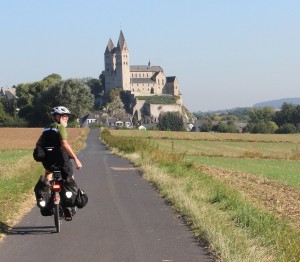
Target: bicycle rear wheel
[[56, 218]]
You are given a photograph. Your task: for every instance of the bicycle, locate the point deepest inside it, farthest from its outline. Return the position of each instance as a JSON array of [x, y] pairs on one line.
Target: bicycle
[[56, 185], [59, 197]]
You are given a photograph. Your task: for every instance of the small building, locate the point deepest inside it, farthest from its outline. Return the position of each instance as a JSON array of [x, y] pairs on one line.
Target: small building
[[118, 122], [88, 120]]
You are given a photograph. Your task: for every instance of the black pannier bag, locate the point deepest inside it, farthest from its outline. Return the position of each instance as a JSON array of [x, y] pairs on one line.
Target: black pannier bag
[[81, 199], [42, 192], [69, 192], [39, 153]]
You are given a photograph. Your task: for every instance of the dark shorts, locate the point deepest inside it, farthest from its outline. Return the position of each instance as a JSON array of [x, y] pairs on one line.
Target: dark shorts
[[66, 169]]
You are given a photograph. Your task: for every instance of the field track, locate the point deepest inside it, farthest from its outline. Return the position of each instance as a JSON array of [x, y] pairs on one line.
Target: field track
[[25, 138]]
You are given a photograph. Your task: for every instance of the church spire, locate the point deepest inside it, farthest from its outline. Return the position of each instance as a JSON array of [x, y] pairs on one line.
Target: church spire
[[121, 41], [110, 46]]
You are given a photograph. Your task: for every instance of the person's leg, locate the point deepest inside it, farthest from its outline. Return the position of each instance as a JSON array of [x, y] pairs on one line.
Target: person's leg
[[48, 175]]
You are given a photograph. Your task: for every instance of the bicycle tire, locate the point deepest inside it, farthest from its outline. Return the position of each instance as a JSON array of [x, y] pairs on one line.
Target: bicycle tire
[[56, 218]]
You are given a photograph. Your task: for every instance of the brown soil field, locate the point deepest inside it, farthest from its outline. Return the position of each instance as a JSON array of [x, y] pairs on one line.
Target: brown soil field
[[25, 138]]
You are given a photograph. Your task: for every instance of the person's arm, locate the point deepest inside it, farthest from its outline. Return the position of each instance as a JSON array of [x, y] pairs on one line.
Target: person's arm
[[66, 146]]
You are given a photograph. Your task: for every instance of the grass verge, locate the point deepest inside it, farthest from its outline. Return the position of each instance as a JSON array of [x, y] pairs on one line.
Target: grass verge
[[233, 227]]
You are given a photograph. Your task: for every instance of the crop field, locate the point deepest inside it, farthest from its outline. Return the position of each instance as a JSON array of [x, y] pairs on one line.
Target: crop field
[[293, 138], [265, 168], [25, 138]]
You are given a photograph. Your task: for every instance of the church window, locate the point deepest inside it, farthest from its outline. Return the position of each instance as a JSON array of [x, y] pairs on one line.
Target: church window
[[139, 75], [163, 82], [158, 81]]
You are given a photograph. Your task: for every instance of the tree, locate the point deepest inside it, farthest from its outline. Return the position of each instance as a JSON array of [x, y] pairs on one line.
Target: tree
[[71, 93], [287, 128], [29, 93], [261, 120], [170, 121], [206, 126], [285, 115]]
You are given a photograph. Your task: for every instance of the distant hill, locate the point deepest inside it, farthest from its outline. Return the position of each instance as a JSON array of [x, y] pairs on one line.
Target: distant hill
[[225, 111], [272, 103], [278, 103]]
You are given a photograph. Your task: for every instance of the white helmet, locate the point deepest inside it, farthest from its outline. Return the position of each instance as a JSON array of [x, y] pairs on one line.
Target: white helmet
[[60, 110]]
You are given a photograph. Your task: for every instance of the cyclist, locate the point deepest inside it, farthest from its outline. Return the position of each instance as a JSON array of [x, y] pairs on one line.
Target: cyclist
[[58, 155]]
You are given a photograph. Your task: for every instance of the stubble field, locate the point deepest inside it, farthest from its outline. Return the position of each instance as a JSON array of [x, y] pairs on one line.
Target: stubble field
[[25, 138]]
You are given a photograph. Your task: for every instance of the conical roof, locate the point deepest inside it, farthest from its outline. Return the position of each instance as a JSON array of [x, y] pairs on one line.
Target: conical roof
[[110, 46], [121, 41]]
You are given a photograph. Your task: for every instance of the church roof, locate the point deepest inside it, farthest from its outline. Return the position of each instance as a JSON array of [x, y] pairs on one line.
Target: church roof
[[110, 46], [145, 68], [121, 41], [171, 79], [142, 81]]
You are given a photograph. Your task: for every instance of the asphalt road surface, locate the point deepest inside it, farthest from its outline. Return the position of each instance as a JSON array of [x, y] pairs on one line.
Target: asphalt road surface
[[125, 220]]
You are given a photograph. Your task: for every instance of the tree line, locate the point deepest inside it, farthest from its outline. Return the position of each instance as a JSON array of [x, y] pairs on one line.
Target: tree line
[[258, 120], [35, 100]]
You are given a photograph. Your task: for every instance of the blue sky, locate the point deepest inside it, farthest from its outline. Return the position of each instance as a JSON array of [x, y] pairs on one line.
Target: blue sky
[[225, 54]]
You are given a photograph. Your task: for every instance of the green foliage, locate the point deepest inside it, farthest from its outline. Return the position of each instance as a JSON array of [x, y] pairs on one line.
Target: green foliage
[[13, 122], [97, 89], [3, 113], [70, 93], [51, 79], [170, 121], [163, 99], [261, 121], [206, 126], [287, 128], [113, 94], [37, 99]]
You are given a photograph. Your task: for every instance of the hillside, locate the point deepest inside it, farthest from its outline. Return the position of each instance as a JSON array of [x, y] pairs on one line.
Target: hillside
[[272, 103], [278, 103]]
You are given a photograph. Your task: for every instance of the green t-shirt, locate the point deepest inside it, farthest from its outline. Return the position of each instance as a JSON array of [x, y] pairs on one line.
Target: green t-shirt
[[62, 131]]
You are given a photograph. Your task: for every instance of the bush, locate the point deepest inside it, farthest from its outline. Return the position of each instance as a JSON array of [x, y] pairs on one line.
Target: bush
[[171, 121]]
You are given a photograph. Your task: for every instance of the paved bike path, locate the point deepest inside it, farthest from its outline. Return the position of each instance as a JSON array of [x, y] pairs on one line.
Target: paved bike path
[[125, 220]]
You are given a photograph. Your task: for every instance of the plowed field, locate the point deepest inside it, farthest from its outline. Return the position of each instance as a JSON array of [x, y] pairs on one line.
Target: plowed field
[[25, 138]]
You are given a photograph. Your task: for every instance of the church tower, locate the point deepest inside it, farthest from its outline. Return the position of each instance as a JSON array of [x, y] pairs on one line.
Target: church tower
[[110, 66], [122, 64]]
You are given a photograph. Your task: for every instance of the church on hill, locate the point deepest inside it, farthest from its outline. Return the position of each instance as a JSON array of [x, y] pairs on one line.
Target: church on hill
[[140, 80]]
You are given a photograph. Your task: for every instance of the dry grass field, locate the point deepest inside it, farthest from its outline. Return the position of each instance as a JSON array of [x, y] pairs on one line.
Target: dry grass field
[[25, 138]]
